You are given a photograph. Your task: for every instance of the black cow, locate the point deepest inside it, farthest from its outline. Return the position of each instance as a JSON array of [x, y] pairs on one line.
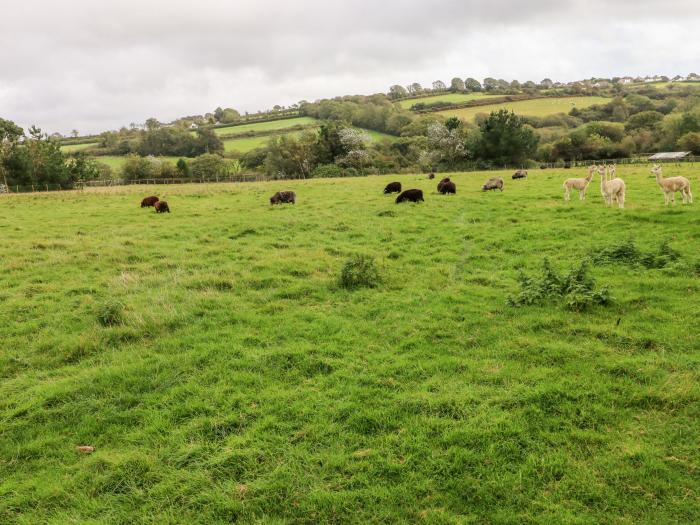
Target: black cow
[[410, 195], [447, 187], [393, 187]]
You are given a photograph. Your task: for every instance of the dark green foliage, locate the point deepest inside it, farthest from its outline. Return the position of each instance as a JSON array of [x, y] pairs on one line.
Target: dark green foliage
[[505, 139], [576, 291], [628, 253], [359, 271]]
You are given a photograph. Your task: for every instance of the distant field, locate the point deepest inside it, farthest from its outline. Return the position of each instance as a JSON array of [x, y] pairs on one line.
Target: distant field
[[246, 144], [116, 162], [70, 148], [447, 97], [539, 107], [266, 126]]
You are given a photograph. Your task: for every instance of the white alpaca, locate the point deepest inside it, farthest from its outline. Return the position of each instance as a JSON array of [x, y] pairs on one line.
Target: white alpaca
[[671, 185], [578, 184], [612, 189]]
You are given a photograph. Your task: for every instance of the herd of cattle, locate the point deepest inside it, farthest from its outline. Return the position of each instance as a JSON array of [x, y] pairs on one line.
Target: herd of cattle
[[445, 186]]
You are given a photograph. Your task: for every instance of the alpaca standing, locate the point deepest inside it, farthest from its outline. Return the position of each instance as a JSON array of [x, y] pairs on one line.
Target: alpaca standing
[[671, 185], [578, 184], [613, 189]]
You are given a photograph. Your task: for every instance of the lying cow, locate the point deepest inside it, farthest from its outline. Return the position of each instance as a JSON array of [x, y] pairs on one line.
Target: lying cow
[[162, 207], [494, 183], [393, 187], [410, 195], [284, 197], [149, 201]]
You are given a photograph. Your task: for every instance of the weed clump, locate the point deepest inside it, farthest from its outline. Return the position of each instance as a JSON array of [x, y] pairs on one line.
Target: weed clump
[[576, 291], [628, 253], [359, 271], [111, 313]]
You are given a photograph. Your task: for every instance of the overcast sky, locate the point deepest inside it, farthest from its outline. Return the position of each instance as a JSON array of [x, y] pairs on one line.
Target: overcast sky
[[95, 65]]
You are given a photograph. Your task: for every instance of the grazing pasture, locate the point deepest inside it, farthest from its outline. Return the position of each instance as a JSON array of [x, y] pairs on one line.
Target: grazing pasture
[[222, 374], [454, 98], [273, 125], [116, 162], [246, 144], [539, 107], [72, 148]]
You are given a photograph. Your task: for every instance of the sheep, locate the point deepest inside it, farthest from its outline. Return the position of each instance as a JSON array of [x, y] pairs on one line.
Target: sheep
[[288, 197], [578, 184], [520, 174], [612, 189], [162, 207], [443, 181], [493, 183], [431, 176], [410, 195], [671, 185], [393, 187], [447, 187], [149, 201]]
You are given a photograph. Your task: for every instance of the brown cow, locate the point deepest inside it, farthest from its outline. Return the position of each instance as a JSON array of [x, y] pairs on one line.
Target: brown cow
[[149, 201], [162, 207], [288, 197]]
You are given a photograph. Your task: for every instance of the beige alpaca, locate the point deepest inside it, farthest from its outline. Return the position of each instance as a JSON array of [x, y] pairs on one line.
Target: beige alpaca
[[671, 185], [611, 189], [578, 184]]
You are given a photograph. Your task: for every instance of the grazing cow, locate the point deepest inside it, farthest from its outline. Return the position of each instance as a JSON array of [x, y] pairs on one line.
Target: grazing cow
[[162, 207], [447, 187], [149, 201], [285, 197], [410, 195], [443, 181], [520, 174], [393, 187], [431, 176], [494, 183]]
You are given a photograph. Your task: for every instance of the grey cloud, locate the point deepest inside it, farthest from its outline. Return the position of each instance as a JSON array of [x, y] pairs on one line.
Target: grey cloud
[[98, 65]]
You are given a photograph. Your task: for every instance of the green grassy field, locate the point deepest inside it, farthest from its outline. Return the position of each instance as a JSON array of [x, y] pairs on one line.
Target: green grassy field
[[266, 126], [539, 107], [116, 162], [246, 144], [224, 376], [71, 148], [447, 97]]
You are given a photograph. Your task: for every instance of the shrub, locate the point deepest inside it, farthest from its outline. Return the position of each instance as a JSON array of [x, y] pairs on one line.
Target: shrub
[[327, 170], [628, 253], [359, 271], [576, 291]]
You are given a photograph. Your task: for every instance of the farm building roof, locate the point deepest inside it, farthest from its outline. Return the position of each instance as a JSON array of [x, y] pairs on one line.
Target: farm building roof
[[670, 155]]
